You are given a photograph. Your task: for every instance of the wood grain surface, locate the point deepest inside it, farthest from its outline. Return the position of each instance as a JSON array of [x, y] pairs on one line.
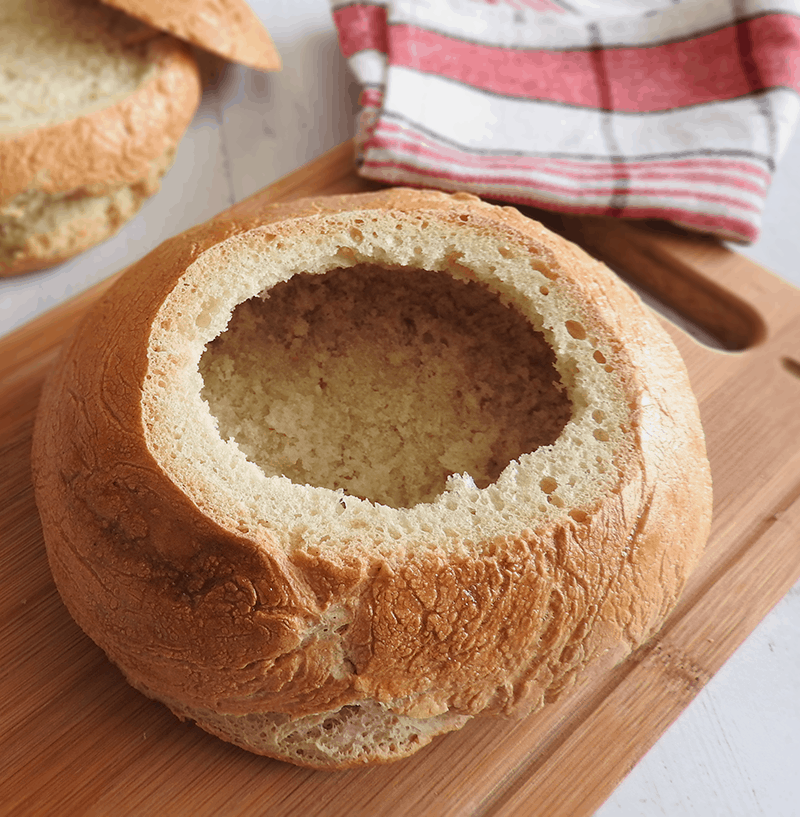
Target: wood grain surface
[[76, 740]]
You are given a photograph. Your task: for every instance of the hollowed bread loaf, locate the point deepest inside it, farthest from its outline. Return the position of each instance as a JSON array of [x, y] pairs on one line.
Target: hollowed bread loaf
[[92, 106], [332, 477]]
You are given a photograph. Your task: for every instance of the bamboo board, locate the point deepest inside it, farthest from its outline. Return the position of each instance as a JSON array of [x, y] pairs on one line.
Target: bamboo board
[[76, 740]]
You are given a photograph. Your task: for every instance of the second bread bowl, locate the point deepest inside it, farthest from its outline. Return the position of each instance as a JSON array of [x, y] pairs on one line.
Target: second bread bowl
[[92, 106]]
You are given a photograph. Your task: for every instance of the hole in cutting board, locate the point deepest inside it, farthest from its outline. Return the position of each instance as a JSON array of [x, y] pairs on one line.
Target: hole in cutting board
[[684, 322], [791, 366], [731, 325]]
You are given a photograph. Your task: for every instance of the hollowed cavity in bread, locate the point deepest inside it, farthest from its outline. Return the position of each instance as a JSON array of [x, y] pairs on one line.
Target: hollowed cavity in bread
[[382, 383], [431, 384]]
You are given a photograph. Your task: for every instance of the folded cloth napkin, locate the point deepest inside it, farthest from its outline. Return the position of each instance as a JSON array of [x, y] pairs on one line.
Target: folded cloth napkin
[[605, 107]]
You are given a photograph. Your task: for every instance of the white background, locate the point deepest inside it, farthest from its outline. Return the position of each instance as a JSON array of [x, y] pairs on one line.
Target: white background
[[735, 752]]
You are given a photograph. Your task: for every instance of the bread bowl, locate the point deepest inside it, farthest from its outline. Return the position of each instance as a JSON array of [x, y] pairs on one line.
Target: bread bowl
[[334, 476], [92, 106]]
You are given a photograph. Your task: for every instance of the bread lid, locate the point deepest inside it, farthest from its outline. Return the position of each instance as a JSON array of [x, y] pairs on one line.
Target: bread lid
[[228, 28]]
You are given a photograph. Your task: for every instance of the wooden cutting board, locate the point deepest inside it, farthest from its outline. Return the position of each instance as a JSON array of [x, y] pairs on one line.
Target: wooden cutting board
[[75, 739]]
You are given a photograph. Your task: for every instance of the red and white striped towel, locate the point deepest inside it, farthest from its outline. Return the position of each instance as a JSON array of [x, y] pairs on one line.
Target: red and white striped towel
[[607, 107]]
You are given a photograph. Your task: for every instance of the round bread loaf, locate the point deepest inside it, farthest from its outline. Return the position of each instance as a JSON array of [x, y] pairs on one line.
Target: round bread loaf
[[92, 106], [334, 476]]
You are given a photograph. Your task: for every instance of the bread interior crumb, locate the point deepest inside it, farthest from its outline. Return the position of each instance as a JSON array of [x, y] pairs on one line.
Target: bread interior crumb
[[382, 383], [63, 58]]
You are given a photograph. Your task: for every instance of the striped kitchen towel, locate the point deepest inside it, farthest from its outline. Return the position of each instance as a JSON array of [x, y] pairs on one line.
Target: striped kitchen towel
[[606, 107]]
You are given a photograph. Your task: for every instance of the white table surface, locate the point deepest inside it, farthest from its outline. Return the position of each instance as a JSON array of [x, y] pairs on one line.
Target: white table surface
[[735, 752]]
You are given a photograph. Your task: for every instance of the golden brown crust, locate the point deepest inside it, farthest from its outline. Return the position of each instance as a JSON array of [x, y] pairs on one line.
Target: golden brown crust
[[228, 28], [201, 613]]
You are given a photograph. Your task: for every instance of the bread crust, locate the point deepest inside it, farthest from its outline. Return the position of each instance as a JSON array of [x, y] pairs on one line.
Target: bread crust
[[207, 616], [127, 144], [227, 28]]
